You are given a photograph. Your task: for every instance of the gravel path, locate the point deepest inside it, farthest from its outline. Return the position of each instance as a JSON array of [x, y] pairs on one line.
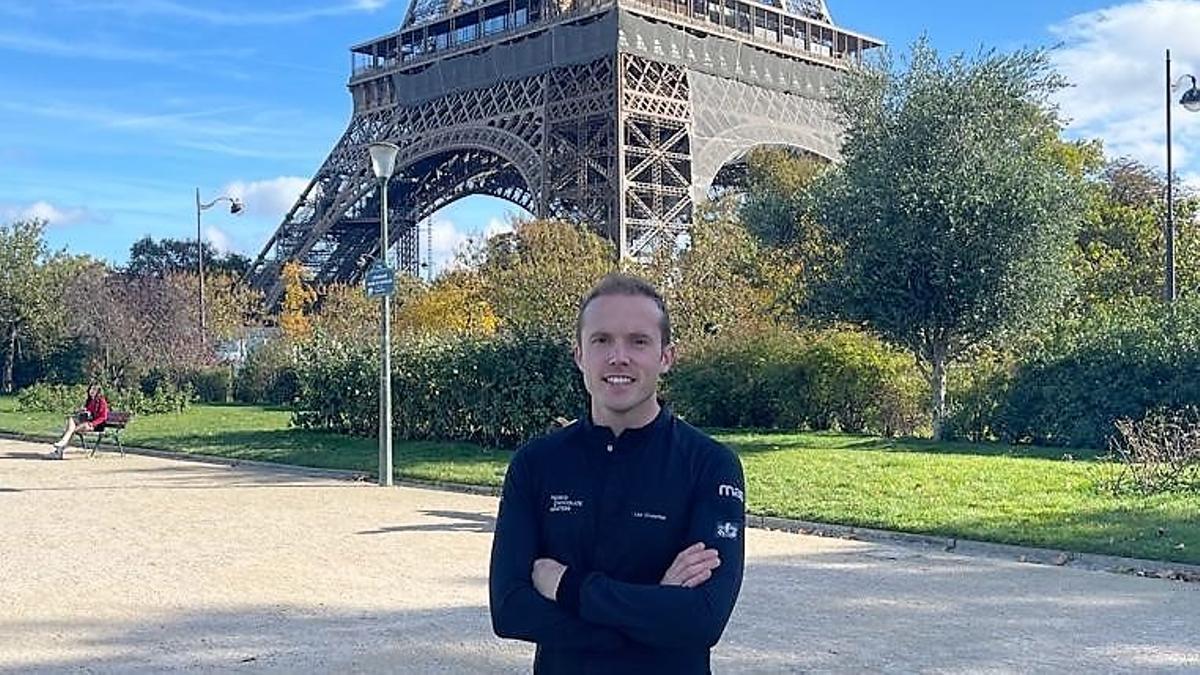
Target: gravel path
[[141, 564]]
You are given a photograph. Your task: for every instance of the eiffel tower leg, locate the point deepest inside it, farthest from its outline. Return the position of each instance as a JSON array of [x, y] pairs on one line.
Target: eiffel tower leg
[[655, 155]]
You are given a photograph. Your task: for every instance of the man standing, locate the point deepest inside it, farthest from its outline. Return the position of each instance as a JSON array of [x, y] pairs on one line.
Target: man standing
[[619, 542]]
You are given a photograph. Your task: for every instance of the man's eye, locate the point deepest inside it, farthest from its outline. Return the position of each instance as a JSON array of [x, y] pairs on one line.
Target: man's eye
[[599, 340]]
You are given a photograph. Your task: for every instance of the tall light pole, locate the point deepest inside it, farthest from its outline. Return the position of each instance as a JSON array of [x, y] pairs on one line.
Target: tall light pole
[[1191, 102], [235, 207], [383, 164]]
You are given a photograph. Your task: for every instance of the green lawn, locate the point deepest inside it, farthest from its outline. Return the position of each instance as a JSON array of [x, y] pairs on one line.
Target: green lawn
[[989, 492], [263, 434]]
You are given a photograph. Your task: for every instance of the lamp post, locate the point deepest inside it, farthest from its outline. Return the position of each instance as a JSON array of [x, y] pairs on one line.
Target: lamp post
[[235, 207], [383, 164], [1190, 102]]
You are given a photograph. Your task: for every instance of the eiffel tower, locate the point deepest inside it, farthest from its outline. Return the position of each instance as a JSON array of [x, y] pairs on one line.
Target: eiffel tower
[[616, 113]]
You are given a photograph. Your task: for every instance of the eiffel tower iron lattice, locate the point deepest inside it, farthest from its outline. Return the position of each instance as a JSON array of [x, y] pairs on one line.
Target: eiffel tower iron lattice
[[615, 113]]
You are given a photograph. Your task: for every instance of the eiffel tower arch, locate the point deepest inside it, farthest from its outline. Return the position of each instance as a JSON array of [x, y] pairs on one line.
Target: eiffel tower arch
[[615, 113]]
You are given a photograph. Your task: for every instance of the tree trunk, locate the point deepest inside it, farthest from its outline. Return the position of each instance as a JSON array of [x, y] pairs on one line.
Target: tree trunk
[[937, 387], [9, 358]]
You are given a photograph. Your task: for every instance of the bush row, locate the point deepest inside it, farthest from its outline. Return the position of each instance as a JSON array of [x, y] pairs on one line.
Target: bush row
[[497, 391], [1116, 364], [842, 380], [502, 390], [162, 397]]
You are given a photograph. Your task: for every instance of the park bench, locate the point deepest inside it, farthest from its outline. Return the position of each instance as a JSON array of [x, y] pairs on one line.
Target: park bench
[[117, 420]]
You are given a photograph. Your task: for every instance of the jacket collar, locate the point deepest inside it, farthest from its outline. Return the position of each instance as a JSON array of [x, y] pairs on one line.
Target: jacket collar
[[602, 436]]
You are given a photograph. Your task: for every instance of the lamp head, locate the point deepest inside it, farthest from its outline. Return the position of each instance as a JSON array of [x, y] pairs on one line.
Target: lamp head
[[236, 206], [1191, 99], [383, 158]]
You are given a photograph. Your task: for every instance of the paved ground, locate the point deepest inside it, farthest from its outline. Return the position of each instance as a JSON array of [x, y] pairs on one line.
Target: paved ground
[[144, 564]]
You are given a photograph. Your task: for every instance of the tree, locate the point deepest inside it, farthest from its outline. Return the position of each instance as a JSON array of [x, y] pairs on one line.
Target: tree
[[346, 314], [32, 281], [135, 324], [719, 282], [535, 276], [455, 303], [773, 210], [298, 299], [148, 257], [233, 306], [1120, 248], [951, 219]]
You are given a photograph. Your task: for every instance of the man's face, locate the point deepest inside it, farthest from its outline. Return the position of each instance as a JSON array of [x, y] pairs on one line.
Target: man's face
[[621, 355]]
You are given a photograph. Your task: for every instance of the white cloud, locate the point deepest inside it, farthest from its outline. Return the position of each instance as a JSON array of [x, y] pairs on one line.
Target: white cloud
[[219, 240], [447, 239], [445, 242], [1115, 59], [270, 199], [53, 215]]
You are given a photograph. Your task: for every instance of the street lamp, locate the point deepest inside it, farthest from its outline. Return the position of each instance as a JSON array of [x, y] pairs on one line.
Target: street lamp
[[1190, 102], [383, 164], [235, 207]]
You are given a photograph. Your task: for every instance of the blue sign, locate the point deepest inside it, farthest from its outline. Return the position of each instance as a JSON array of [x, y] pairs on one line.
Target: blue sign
[[380, 281]]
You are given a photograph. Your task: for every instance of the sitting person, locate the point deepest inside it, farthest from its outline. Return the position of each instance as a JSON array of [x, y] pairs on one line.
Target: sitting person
[[91, 417]]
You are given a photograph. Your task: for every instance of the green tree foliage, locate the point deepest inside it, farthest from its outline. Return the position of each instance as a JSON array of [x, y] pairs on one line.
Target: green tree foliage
[[32, 284], [534, 276], [718, 283], [1074, 384], [951, 219], [148, 257], [1121, 245]]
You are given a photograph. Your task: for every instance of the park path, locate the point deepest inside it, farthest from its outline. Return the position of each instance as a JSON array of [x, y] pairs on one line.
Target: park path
[[142, 564]]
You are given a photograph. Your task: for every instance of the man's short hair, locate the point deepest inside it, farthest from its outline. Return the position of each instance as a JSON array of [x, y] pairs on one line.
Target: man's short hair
[[616, 283]]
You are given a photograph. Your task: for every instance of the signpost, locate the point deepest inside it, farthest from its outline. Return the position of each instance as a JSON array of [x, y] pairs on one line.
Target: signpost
[[380, 281]]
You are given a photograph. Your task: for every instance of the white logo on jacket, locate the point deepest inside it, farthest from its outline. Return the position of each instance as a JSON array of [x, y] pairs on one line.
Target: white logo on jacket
[[731, 491], [727, 530], [564, 503]]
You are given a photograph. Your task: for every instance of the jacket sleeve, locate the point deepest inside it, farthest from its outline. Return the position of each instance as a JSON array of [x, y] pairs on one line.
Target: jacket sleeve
[[673, 616], [518, 610]]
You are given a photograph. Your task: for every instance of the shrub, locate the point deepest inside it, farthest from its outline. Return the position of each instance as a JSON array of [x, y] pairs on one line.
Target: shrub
[[268, 377], [828, 380], [212, 385], [497, 390], [1115, 364], [58, 398], [1159, 453], [976, 393]]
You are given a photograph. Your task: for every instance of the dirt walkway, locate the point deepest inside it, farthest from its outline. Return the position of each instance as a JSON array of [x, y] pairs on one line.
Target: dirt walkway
[[144, 564]]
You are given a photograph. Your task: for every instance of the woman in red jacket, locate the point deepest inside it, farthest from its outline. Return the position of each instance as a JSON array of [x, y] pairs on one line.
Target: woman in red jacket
[[91, 417]]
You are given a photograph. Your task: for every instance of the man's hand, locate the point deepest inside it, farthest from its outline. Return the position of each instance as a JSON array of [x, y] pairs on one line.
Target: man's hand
[[546, 574], [692, 567]]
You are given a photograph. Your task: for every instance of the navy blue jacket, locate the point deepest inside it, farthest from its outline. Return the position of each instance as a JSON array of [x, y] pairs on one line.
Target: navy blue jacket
[[617, 511]]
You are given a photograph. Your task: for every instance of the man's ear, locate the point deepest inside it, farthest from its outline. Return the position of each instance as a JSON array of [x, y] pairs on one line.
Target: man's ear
[[577, 353], [668, 358]]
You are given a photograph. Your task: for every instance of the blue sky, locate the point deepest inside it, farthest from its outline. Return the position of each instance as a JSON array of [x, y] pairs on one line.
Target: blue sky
[[112, 112]]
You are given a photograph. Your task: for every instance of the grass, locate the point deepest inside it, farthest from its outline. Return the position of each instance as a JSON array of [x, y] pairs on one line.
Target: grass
[[1027, 495], [263, 434]]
